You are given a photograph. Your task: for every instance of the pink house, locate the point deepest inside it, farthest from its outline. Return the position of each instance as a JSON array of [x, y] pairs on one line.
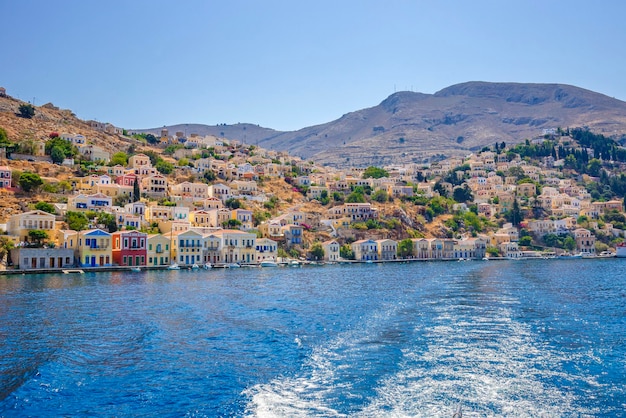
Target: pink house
[[5, 176]]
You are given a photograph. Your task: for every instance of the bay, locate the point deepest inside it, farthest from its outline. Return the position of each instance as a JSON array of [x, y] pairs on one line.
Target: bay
[[507, 338]]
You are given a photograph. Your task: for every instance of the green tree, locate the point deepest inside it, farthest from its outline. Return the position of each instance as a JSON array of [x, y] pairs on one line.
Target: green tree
[[6, 245], [355, 197], [517, 172], [374, 172], [569, 243], [380, 196], [46, 207], [27, 111], [231, 223], [30, 181], [515, 214], [164, 167], [3, 135], [120, 158], [76, 221], [324, 199], [136, 191], [233, 203], [345, 251], [526, 241], [69, 150], [57, 155], [462, 194], [38, 235], [493, 251], [405, 248], [209, 176], [317, 251], [107, 220], [594, 167], [151, 139]]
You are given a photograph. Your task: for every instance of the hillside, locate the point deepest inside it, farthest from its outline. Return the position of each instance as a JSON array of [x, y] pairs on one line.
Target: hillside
[[49, 118], [411, 127]]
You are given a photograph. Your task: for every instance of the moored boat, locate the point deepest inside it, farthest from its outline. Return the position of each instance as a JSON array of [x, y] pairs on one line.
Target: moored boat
[[173, 266], [268, 263]]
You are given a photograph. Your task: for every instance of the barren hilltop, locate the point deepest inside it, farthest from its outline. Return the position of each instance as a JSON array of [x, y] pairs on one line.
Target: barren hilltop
[[413, 127]]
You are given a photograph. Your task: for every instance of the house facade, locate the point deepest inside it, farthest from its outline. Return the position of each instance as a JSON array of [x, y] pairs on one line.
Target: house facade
[[94, 248], [129, 248], [158, 251], [21, 224]]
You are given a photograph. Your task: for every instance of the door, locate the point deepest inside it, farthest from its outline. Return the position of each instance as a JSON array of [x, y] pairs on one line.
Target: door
[[93, 261]]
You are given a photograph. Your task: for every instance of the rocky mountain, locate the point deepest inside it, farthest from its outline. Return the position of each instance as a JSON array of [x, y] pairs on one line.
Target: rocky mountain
[[414, 127]]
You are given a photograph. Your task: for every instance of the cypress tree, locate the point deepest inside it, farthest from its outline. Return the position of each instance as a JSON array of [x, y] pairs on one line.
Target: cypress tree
[[136, 191]]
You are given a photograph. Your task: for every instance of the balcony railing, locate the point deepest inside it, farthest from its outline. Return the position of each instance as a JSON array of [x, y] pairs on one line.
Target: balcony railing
[[98, 247]]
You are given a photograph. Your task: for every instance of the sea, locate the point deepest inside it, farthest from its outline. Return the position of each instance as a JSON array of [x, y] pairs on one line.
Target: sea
[[525, 338]]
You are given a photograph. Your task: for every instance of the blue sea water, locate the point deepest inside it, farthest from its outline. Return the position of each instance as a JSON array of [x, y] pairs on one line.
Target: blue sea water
[[508, 338]]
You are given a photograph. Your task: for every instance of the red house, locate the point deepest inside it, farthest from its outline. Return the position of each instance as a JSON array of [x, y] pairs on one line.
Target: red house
[[127, 179], [129, 248]]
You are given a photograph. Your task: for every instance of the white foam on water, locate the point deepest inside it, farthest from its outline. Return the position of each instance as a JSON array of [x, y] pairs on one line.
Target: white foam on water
[[489, 364], [480, 358], [323, 377]]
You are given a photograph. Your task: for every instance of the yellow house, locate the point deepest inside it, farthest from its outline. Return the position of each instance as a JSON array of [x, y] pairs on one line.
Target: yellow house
[[19, 225], [94, 248], [159, 249]]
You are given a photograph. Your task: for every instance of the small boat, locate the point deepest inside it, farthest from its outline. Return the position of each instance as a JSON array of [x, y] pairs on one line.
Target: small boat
[[207, 266], [70, 271], [195, 267], [294, 263], [135, 269], [173, 266], [269, 263], [232, 266]]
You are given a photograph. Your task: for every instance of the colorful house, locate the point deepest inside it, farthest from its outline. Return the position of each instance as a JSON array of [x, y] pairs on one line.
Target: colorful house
[[21, 224], [158, 252], [189, 248], [266, 249], [94, 248], [5, 176], [129, 248]]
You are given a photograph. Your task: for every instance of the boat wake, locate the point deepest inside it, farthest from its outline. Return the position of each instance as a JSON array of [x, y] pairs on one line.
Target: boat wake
[[477, 356]]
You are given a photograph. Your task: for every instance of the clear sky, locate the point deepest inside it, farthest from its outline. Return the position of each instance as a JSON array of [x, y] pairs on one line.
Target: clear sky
[[290, 64]]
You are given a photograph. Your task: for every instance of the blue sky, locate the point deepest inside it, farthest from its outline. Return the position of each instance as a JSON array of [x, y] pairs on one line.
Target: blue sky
[[291, 64]]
